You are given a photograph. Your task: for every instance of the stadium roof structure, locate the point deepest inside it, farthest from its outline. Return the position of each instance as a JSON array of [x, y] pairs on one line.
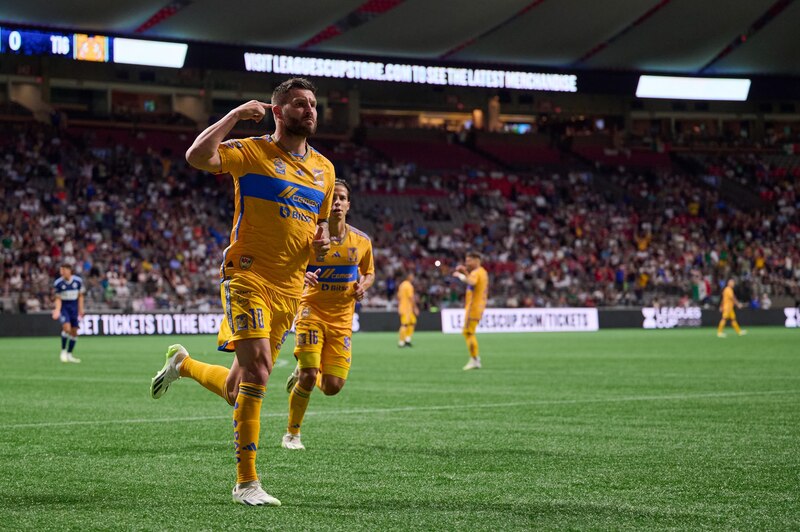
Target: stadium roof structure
[[676, 36]]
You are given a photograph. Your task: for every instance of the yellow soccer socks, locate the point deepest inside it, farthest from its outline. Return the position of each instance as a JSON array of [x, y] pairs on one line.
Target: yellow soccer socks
[[246, 428], [298, 402], [209, 376], [472, 346]]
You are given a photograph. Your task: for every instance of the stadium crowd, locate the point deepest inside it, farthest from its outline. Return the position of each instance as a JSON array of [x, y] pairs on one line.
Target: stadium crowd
[[146, 232]]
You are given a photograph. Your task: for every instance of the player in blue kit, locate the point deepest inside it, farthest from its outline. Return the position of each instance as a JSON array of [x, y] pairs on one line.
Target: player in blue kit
[[68, 310]]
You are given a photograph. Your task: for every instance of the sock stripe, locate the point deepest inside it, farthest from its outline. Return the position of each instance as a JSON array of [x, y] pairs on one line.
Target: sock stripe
[[253, 395], [300, 392]]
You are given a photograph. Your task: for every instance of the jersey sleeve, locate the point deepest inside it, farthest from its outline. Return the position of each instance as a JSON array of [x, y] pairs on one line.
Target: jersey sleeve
[[472, 278], [238, 156], [81, 285], [367, 265], [327, 203]]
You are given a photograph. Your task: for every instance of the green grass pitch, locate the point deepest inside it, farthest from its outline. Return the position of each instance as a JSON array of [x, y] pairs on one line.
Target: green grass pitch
[[609, 430]]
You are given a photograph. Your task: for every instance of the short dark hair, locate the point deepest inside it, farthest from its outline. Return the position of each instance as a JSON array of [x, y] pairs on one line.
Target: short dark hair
[[281, 92], [475, 254], [66, 265], [345, 184]]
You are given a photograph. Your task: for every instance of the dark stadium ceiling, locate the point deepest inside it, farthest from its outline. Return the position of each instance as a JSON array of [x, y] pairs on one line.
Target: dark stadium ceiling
[[679, 36]]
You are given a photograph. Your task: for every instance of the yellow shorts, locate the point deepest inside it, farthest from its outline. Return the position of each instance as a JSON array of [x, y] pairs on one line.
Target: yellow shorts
[[408, 318], [728, 314], [254, 310], [471, 325], [318, 345]]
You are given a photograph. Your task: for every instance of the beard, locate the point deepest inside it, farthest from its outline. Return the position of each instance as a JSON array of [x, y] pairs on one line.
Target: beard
[[298, 127]]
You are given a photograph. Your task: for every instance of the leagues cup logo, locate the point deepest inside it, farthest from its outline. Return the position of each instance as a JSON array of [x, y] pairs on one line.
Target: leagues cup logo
[[792, 317], [245, 262], [649, 318]]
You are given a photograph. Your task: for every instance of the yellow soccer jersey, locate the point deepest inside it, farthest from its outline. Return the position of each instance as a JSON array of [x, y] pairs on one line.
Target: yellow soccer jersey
[[727, 299], [405, 298], [279, 197], [333, 300], [477, 292]]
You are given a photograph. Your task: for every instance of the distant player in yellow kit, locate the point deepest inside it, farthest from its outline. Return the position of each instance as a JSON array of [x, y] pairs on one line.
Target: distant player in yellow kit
[[476, 278], [324, 326], [726, 307], [407, 309], [283, 192]]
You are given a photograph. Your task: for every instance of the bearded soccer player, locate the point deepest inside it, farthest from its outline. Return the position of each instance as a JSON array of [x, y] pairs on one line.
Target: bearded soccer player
[[476, 278], [283, 191], [407, 309], [726, 307], [324, 327]]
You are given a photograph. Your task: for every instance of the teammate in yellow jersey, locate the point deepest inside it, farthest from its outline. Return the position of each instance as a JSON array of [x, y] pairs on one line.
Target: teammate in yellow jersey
[[726, 307], [476, 278], [283, 192], [408, 309], [324, 325]]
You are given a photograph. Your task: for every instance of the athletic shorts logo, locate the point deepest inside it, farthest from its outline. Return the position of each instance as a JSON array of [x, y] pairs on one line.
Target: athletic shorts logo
[[302, 339], [306, 312], [280, 166], [347, 343], [241, 322], [245, 262]]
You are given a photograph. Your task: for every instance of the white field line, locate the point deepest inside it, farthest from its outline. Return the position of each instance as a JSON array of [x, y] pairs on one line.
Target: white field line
[[361, 411]]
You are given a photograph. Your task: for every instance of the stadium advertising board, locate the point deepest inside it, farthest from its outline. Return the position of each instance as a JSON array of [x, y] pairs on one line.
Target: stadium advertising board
[[671, 317], [149, 324], [792, 317], [409, 73], [498, 320]]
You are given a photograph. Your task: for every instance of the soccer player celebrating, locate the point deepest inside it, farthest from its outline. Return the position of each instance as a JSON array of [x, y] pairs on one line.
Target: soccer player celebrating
[[726, 307], [334, 283], [476, 278], [408, 310], [283, 189], [68, 310]]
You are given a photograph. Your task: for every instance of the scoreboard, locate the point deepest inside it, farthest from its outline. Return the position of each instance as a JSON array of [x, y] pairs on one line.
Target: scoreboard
[[92, 47]]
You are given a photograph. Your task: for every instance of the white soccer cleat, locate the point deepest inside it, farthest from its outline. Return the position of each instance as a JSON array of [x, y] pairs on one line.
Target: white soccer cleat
[[721, 335], [72, 359], [292, 380], [292, 442], [743, 332], [474, 363], [170, 372], [252, 494], [63, 356]]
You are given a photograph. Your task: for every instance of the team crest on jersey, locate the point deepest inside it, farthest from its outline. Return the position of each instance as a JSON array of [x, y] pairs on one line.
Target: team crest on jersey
[[352, 254], [280, 166], [245, 262], [241, 322], [347, 344]]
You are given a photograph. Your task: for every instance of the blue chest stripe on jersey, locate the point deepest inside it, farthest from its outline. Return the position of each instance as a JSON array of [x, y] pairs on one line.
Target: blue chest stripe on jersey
[[281, 191], [335, 274]]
